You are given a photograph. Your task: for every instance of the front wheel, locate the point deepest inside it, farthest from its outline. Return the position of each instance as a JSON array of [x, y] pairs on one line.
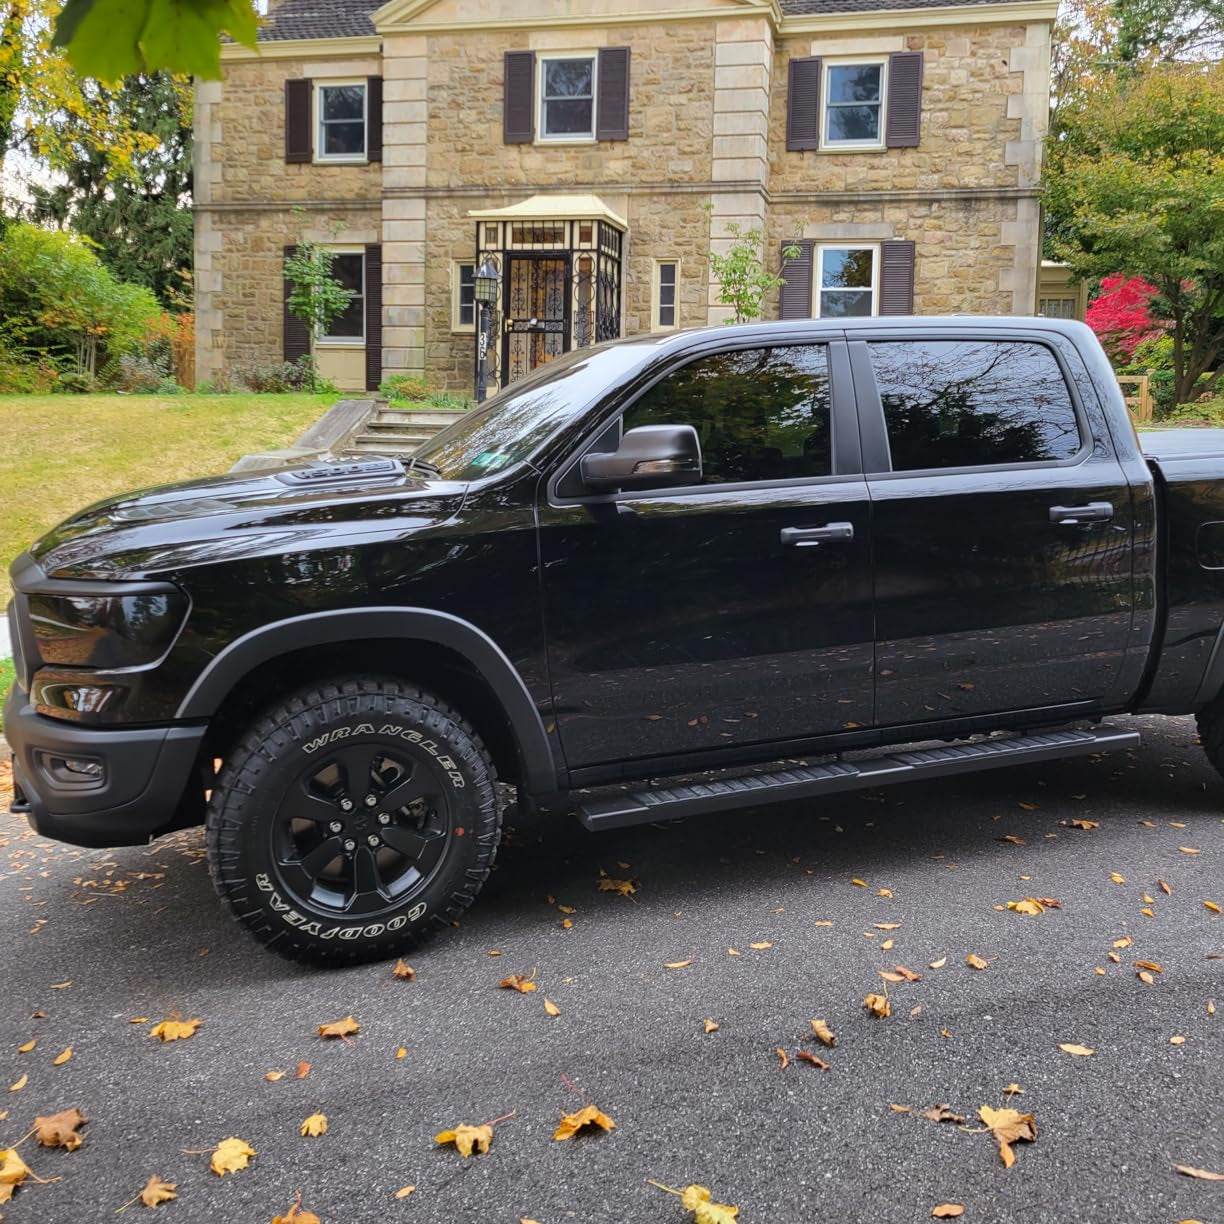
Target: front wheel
[[352, 821]]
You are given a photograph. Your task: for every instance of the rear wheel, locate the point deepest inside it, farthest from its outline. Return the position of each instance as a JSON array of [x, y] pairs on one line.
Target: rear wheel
[[352, 821]]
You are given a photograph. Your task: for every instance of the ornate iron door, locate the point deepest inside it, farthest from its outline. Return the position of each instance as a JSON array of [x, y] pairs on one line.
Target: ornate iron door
[[537, 312]]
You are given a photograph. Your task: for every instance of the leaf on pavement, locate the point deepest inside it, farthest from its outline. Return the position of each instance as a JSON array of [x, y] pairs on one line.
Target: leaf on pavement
[[29, 1045], [1189, 850], [878, 1005], [551, 1008], [1164, 888], [948, 1211], [902, 1109], [1150, 966], [889, 976], [273, 1076], [976, 962], [60, 1130], [760, 947], [859, 883], [1145, 977], [1008, 1126], [404, 1191], [314, 1126], [60, 1059], [1177, 1040], [886, 926], [571, 1124], [1080, 1051], [677, 964], [1201, 1174], [157, 1191], [467, 1138], [13, 1171], [939, 964], [404, 972], [710, 1026], [297, 1214], [908, 974], [941, 1113], [1117, 877], [230, 1155], [697, 1199], [20, 1084], [303, 1070], [518, 981], [1124, 942], [782, 1056], [1030, 905], [824, 1033], [1212, 906], [1011, 837], [175, 1030], [348, 1027], [808, 1057], [1085, 824], [624, 888]]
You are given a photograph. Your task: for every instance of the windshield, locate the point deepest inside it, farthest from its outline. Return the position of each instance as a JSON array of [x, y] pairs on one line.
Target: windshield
[[513, 424]]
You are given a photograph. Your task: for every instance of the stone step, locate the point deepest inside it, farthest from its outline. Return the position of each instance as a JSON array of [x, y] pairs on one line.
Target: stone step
[[367, 445], [413, 416]]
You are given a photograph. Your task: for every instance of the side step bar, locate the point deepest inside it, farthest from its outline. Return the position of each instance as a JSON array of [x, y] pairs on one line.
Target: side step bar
[[806, 781]]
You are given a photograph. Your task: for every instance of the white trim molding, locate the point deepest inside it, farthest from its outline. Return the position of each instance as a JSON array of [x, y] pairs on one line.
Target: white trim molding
[[303, 48]]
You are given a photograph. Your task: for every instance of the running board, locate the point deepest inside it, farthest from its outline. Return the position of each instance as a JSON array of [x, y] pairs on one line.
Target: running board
[[805, 781]]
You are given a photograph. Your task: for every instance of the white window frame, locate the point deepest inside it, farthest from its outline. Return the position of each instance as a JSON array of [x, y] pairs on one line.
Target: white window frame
[[349, 341], [456, 323], [350, 159], [852, 61], [656, 296], [541, 74], [818, 275]]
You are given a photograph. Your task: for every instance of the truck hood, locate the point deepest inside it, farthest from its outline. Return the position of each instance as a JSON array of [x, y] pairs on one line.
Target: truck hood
[[228, 518], [1174, 444]]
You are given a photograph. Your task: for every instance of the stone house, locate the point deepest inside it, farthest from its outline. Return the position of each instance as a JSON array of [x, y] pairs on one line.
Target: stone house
[[597, 152]]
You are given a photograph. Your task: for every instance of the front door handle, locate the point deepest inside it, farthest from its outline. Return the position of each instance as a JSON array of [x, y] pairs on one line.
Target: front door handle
[[812, 537], [1071, 516]]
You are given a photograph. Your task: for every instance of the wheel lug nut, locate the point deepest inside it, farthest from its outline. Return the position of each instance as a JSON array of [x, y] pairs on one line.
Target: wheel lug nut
[[371, 801], [384, 818], [335, 827], [346, 805], [373, 840], [349, 845]]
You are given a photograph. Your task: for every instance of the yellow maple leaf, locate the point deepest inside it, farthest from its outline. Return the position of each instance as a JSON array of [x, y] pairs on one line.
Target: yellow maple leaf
[[230, 1155], [710, 1026], [624, 887], [571, 1124], [1030, 905], [297, 1214], [60, 1130], [697, 1199], [175, 1030], [157, 1191], [878, 1005], [823, 1032], [314, 1126], [13, 1171], [519, 982], [976, 962], [404, 972], [467, 1138], [1008, 1126], [348, 1027]]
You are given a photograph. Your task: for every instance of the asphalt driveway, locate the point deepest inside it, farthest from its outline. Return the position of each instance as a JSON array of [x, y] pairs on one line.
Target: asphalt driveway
[[93, 940]]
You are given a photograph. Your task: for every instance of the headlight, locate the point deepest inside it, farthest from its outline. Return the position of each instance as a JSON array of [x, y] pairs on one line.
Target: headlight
[[106, 631]]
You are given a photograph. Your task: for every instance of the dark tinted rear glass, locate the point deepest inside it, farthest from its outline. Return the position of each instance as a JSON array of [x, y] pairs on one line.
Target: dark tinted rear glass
[[970, 403]]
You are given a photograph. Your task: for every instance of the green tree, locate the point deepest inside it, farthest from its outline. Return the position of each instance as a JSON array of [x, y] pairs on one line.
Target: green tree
[[743, 280], [315, 295], [134, 212], [1135, 186], [1169, 30]]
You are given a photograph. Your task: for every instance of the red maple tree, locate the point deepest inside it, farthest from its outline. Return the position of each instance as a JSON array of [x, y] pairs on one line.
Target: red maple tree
[[1121, 314]]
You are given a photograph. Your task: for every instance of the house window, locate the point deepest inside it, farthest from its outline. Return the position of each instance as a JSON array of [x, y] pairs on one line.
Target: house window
[[665, 294], [853, 106], [847, 281], [341, 121], [463, 297], [348, 267], [567, 98], [1058, 307]]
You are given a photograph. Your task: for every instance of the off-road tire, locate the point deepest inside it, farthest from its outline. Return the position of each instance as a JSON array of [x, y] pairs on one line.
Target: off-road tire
[[269, 772]]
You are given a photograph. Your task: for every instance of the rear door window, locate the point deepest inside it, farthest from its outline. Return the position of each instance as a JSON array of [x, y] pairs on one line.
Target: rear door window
[[973, 403]]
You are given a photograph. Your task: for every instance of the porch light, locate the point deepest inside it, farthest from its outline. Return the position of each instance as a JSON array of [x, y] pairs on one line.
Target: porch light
[[486, 282]]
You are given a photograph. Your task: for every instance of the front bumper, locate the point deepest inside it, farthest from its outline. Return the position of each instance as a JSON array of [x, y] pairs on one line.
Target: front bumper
[[146, 773]]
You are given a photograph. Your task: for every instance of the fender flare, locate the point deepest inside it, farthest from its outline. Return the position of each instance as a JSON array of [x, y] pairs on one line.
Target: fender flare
[[541, 774]]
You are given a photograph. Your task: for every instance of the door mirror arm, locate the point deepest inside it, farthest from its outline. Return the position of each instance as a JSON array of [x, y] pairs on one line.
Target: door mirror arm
[[649, 457]]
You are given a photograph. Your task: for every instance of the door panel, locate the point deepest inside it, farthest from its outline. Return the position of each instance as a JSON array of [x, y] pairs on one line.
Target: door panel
[[537, 312]]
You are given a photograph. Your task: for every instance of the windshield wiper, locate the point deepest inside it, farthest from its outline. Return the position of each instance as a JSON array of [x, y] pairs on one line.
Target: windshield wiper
[[430, 469]]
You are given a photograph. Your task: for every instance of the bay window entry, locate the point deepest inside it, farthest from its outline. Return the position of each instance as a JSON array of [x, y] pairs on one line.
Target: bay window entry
[[567, 98], [847, 281], [348, 267], [341, 120], [853, 106]]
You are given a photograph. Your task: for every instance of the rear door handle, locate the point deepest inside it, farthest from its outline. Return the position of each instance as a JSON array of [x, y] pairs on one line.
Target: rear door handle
[[1070, 516], [812, 537]]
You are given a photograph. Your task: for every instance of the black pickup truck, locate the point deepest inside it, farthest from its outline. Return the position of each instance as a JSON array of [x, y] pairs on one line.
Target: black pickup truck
[[657, 578]]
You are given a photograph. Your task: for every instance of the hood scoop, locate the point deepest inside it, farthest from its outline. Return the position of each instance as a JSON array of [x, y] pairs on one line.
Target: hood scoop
[[346, 472]]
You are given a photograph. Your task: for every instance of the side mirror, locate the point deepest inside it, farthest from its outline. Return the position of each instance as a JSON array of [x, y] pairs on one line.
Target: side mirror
[[649, 457]]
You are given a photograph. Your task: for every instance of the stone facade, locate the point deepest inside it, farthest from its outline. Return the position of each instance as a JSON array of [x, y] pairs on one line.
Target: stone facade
[[706, 147]]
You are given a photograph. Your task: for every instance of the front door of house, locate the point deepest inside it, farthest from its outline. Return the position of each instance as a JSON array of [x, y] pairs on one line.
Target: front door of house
[[536, 312]]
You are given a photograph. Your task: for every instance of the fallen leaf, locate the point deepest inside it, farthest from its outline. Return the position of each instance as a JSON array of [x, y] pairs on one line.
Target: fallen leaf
[[1013, 1090], [29, 1045], [1124, 942], [1147, 911], [571, 1124], [157, 1191], [551, 1008], [1145, 977], [303, 1070], [404, 972], [1178, 1040], [60, 1130], [61, 985], [1189, 850], [781, 1053], [296, 1214], [1201, 1174], [886, 926], [884, 892], [680, 964], [1211, 1007], [1117, 878], [908, 974], [1212, 906], [808, 1057], [61, 1058], [859, 883], [401, 1052], [878, 1005], [710, 1026], [314, 1126], [20, 1084], [519, 982], [273, 1076], [697, 1200], [887, 945], [230, 1155], [945, 1032], [1085, 824], [13, 1171], [1151, 966], [1164, 888], [1011, 837], [1029, 807], [467, 1138], [941, 1113], [624, 887], [889, 976], [1113, 956], [939, 964], [1030, 905], [760, 947], [175, 1030], [1079, 1051], [1008, 1126], [734, 952], [824, 1033], [948, 1211], [901, 1109], [976, 962], [404, 1191], [348, 1027]]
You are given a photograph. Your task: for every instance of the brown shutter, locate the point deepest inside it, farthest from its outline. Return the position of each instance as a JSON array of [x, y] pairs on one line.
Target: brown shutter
[[904, 121], [373, 316], [612, 107], [299, 125], [795, 301], [896, 278], [374, 118], [803, 103], [297, 334], [518, 100]]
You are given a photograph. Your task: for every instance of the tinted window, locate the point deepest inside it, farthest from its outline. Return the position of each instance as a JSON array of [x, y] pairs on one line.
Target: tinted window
[[761, 414], [966, 403]]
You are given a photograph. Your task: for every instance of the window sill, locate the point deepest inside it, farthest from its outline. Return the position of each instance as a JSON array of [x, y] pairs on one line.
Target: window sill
[[548, 141], [342, 161], [463, 331], [853, 148], [328, 343]]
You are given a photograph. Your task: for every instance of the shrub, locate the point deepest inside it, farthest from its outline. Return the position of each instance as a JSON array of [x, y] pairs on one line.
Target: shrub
[[141, 374], [404, 387], [284, 376], [74, 384], [169, 386]]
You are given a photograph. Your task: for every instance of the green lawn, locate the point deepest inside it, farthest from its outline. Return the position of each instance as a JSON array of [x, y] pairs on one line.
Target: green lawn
[[62, 452]]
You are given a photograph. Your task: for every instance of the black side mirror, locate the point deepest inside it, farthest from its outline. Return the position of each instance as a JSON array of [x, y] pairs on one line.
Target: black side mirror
[[649, 457]]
